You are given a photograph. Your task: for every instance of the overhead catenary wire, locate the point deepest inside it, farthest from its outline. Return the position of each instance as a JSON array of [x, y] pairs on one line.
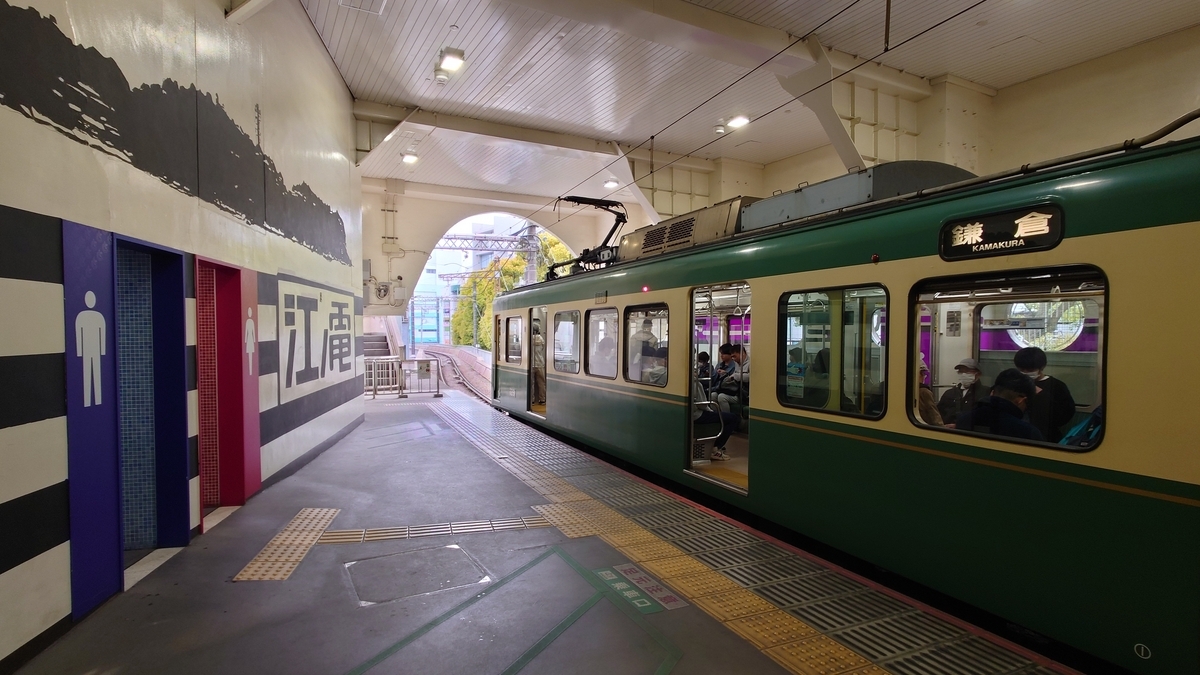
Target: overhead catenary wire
[[887, 49]]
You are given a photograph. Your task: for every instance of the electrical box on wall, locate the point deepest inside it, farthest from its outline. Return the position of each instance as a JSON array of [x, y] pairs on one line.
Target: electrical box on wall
[[391, 293], [391, 245]]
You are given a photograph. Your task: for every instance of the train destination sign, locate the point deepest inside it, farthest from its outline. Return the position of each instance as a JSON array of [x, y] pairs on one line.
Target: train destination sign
[[1037, 228]]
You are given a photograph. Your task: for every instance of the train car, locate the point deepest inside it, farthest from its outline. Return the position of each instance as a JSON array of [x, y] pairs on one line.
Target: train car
[[1085, 529]]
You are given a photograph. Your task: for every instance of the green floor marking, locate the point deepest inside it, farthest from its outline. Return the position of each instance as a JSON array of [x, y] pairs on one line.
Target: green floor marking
[[674, 654], [632, 594]]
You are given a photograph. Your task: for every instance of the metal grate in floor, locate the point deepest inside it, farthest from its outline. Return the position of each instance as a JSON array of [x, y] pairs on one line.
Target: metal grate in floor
[[849, 610], [973, 655], [897, 635], [741, 555], [792, 592], [713, 542], [693, 529], [772, 570]]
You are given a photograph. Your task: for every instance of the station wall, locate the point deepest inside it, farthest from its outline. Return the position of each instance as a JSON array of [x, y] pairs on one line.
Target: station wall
[[1107, 100], [158, 132]]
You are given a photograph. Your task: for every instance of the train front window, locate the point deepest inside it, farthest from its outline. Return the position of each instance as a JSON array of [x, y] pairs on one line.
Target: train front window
[[602, 342], [834, 350], [646, 343], [512, 340], [566, 342], [1018, 356]]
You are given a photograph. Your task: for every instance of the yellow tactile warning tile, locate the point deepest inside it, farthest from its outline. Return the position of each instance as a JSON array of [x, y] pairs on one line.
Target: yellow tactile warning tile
[[536, 521], [627, 538], [560, 513], [704, 583], [283, 554], [650, 551], [341, 537], [733, 604], [571, 496], [818, 655], [386, 533], [771, 629], [665, 568]]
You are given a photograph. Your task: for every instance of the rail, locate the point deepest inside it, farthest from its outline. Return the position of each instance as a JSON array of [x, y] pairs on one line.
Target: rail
[[397, 375], [458, 374]]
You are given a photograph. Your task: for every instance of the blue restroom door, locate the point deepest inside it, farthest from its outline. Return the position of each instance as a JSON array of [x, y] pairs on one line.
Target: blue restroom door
[[92, 458]]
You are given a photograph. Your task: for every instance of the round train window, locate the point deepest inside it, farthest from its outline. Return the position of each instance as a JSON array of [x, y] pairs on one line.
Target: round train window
[[1050, 326]]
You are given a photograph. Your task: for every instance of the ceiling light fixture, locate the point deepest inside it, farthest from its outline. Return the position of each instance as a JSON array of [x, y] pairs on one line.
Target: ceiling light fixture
[[440, 76], [719, 129], [739, 122], [410, 157], [451, 59], [611, 183]]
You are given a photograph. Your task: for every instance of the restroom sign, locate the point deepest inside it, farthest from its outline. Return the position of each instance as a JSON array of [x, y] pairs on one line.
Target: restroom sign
[[316, 338], [1038, 228]]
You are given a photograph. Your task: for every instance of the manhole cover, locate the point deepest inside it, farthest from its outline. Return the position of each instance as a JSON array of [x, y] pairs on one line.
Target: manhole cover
[[403, 575]]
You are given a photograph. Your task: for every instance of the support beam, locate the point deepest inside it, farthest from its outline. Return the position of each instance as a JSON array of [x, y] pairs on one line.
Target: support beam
[[820, 101], [242, 10]]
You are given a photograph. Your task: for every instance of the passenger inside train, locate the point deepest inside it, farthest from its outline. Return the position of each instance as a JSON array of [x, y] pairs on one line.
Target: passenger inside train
[[1002, 413], [1051, 407], [721, 325]]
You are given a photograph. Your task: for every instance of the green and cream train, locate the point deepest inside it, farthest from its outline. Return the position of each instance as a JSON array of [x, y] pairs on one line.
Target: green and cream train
[[1093, 541]]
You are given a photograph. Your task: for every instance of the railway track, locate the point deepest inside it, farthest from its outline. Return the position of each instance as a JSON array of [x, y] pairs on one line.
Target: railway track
[[442, 359]]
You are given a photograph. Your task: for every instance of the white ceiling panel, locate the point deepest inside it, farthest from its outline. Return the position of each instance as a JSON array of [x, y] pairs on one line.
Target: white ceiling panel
[[532, 69]]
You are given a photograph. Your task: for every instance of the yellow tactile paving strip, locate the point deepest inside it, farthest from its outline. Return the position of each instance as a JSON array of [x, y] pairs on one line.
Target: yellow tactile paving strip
[[283, 554], [430, 530], [792, 643]]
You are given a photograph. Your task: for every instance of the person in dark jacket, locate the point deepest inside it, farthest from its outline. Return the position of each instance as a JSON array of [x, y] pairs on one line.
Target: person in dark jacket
[[1052, 407], [1002, 413], [963, 396]]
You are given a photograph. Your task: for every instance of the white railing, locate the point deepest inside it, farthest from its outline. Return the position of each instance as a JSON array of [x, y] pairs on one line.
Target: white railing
[[400, 376]]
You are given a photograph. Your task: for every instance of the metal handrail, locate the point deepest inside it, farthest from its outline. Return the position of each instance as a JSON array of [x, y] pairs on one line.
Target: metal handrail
[[394, 369]]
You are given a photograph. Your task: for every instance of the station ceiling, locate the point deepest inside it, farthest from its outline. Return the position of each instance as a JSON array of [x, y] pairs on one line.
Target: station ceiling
[[626, 70]]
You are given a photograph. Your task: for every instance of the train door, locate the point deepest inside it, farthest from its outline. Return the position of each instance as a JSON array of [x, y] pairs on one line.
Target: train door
[[497, 345], [719, 439], [537, 361]]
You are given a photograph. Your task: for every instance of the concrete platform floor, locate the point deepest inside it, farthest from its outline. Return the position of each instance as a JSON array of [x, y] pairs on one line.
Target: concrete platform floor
[[521, 600]]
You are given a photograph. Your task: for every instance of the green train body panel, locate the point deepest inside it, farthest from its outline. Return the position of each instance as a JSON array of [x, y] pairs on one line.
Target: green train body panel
[[1085, 556]]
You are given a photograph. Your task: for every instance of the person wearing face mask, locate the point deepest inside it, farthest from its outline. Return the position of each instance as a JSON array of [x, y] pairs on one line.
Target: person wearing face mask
[[1003, 413], [925, 405], [1052, 406], [963, 396]]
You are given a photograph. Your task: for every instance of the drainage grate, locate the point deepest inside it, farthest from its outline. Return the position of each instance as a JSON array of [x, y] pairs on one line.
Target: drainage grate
[[811, 588], [973, 656], [828, 615], [713, 542], [693, 529], [897, 635], [666, 518], [772, 570], [741, 555]]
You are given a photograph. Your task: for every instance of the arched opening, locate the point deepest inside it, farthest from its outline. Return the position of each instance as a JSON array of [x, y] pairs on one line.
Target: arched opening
[[478, 258]]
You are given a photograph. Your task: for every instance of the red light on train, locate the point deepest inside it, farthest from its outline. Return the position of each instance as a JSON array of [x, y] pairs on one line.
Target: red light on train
[[645, 289]]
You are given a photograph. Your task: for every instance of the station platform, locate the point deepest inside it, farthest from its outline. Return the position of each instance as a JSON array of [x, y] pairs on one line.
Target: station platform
[[442, 536]]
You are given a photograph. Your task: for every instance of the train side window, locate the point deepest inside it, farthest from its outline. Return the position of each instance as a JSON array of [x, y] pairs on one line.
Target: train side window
[[602, 343], [646, 344], [566, 342], [833, 350], [512, 341], [1018, 355]]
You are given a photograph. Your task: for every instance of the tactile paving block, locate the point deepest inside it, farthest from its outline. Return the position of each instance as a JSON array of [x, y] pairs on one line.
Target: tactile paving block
[[295, 538], [433, 530], [572, 496], [650, 551], [705, 583], [577, 530], [665, 568], [816, 656], [559, 513], [628, 537], [471, 526], [341, 537], [508, 524], [266, 570], [535, 521], [771, 629], [283, 554], [386, 533], [733, 604]]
